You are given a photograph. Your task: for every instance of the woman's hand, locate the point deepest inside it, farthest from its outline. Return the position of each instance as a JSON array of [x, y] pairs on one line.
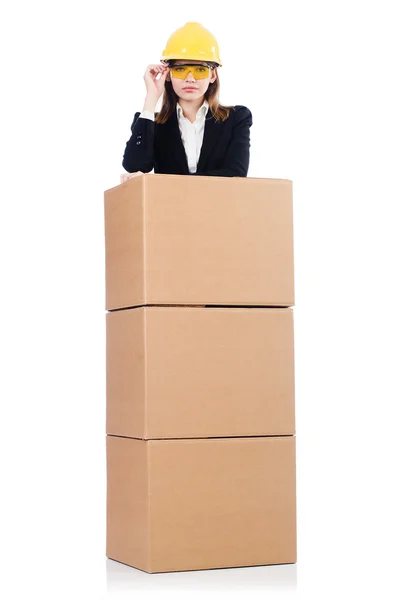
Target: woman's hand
[[125, 176], [155, 87]]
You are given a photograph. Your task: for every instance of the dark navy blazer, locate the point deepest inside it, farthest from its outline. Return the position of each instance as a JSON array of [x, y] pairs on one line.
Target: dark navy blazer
[[225, 151]]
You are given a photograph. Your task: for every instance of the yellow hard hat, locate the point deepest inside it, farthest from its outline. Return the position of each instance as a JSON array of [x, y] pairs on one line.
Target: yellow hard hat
[[194, 42]]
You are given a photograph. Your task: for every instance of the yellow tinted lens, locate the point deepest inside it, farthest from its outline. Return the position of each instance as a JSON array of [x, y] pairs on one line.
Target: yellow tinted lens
[[198, 71]]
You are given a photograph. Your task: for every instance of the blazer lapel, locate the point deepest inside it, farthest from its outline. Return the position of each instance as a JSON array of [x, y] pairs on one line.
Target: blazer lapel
[[173, 140], [212, 131]]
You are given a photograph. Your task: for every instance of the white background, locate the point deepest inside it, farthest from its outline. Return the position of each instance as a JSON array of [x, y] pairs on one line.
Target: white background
[[320, 80]]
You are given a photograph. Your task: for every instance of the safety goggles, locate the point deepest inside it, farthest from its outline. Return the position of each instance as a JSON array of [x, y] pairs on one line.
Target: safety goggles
[[198, 71]]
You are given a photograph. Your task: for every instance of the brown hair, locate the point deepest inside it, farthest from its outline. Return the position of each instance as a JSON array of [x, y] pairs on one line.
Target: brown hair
[[170, 99]]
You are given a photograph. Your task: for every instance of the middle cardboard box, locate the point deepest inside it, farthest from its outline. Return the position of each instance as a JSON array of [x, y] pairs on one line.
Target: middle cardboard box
[[196, 371]]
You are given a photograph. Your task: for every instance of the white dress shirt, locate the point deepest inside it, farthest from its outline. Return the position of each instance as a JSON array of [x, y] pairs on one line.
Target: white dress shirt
[[192, 134]]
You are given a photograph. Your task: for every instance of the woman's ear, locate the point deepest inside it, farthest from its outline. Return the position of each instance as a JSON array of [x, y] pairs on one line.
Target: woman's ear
[[214, 75]]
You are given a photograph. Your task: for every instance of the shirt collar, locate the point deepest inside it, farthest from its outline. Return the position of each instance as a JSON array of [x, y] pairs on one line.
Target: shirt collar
[[202, 111]]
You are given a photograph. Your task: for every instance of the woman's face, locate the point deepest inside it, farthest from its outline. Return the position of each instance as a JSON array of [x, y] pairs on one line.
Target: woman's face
[[200, 85]]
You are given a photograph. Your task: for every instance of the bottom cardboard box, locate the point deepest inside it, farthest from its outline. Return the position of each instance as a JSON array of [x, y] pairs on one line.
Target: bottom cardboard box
[[187, 504]]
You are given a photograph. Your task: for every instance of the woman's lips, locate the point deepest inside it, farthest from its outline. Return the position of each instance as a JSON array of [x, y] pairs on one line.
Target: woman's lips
[[189, 89]]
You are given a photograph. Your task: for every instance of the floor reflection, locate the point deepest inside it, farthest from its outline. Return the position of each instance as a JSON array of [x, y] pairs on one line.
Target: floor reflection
[[121, 577]]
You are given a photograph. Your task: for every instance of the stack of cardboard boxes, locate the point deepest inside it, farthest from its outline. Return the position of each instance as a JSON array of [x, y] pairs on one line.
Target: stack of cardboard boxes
[[200, 372]]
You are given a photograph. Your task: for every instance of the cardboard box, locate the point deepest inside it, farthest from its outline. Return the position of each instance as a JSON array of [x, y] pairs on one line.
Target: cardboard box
[[188, 372], [176, 505], [175, 239]]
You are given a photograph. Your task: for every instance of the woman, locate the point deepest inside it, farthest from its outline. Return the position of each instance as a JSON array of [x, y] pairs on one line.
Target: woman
[[192, 134]]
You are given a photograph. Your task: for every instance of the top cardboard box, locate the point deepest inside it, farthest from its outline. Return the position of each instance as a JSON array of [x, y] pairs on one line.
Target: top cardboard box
[[180, 240]]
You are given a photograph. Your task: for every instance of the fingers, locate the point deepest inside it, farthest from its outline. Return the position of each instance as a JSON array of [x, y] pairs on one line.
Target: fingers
[[156, 69], [125, 176]]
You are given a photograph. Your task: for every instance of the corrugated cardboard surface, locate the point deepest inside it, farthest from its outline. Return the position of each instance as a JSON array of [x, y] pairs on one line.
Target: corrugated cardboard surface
[[127, 501], [200, 372], [174, 239], [176, 505], [124, 244]]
